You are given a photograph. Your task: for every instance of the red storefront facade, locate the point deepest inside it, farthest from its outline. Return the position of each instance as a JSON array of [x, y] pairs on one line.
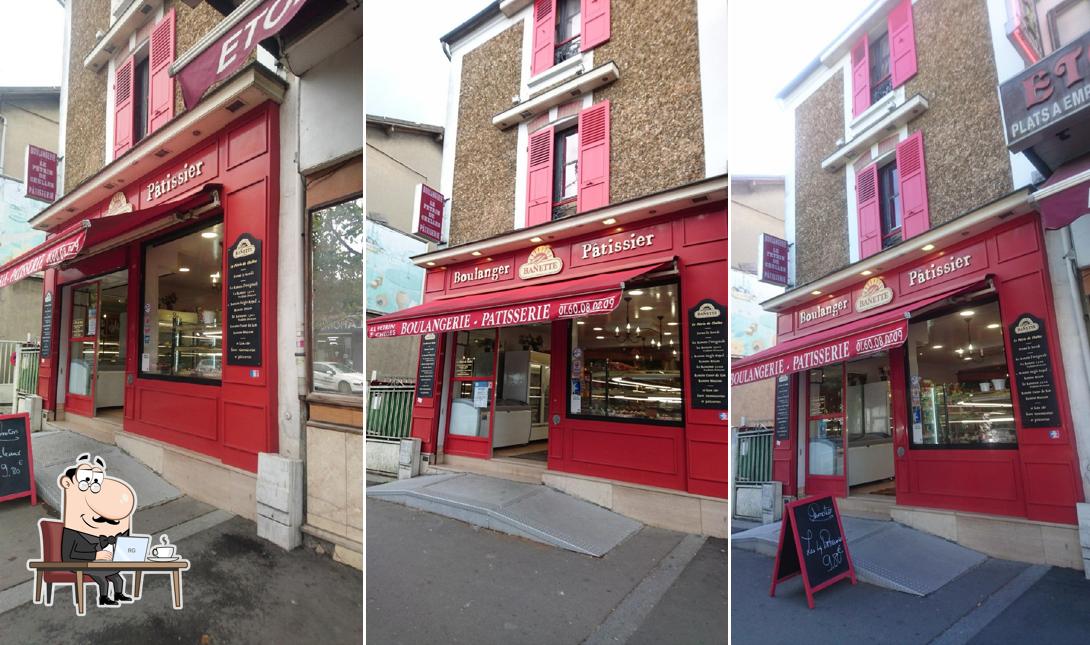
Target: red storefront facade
[[975, 422], [223, 402], [578, 291]]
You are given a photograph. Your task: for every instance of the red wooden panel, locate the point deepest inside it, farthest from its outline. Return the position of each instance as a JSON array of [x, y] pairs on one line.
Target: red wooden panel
[[544, 37], [860, 76], [244, 427], [902, 43], [955, 474], [434, 281], [595, 29], [708, 460], [1016, 242], [246, 142], [607, 445], [912, 171], [539, 180], [180, 411], [161, 84], [593, 157], [704, 228], [1051, 484]]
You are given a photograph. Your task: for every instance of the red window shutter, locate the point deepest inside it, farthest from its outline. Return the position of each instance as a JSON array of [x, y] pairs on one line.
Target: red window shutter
[[539, 183], [161, 85], [544, 45], [861, 76], [910, 167], [867, 200], [123, 106], [595, 29], [902, 43], [593, 157]]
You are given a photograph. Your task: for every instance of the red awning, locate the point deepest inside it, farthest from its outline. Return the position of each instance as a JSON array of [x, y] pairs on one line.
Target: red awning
[[91, 236], [575, 298], [1064, 196]]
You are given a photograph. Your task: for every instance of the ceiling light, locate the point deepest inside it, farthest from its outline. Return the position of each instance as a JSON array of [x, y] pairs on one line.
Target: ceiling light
[[815, 292], [635, 292], [667, 333], [672, 323], [476, 253], [609, 222], [959, 350], [936, 347], [927, 247], [535, 239], [580, 322], [646, 308], [993, 326], [183, 269], [867, 272], [210, 235], [431, 264], [600, 337], [966, 312], [597, 329], [968, 358]]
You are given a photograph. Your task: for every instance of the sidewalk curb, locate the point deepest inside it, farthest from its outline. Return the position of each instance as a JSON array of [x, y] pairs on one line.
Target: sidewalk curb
[[627, 617], [973, 622]]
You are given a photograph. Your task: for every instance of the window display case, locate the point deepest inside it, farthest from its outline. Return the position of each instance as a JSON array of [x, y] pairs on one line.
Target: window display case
[[188, 345]]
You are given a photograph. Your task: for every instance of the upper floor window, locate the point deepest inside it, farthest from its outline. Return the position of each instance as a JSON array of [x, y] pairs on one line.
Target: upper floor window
[[565, 170], [1067, 21], [567, 29], [144, 89], [889, 204], [563, 28], [140, 99], [885, 62], [881, 82]]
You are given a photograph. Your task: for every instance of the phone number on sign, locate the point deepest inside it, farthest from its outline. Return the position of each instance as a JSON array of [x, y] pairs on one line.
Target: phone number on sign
[[879, 341]]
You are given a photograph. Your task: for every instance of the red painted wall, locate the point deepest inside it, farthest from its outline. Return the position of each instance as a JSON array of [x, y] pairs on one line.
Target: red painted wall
[[236, 420]]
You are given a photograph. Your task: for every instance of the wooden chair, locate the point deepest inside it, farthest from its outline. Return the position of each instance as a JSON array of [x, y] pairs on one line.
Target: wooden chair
[[51, 552]]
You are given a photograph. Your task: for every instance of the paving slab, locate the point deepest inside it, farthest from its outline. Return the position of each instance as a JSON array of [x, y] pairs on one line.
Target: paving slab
[[885, 554], [55, 451], [531, 511]]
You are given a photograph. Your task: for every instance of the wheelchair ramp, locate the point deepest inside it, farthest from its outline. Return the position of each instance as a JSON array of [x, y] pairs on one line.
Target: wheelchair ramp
[[530, 511], [885, 554]]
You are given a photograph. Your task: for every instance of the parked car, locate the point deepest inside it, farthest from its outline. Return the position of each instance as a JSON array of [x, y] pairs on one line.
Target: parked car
[[337, 377]]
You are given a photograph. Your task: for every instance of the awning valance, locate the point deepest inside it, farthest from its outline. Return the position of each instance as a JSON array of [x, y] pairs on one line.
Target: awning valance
[[1064, 197], [91, 236], [587, 296]]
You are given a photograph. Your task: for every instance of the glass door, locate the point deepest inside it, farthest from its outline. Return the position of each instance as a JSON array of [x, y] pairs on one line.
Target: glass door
[[472, 400], [83, 348], [826, 447]]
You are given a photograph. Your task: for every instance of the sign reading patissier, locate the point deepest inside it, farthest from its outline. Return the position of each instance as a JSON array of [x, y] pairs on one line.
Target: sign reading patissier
[[622, 244]]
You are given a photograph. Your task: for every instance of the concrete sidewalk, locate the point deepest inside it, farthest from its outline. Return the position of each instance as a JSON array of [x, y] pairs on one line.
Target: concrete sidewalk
[[531, 511], [886, 554]]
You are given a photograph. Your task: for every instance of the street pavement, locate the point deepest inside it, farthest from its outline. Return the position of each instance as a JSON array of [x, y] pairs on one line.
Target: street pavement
[[996, 602], [239, 589], [433, 579]]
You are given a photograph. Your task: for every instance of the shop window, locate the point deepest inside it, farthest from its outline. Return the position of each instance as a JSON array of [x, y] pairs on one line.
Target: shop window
[[565, 172], [336, 298], [960, 386], [889, 203], [626, 365], [825, 420], [1067, 21], [881, 82], [140, 100], [567, 30], [183, 306]]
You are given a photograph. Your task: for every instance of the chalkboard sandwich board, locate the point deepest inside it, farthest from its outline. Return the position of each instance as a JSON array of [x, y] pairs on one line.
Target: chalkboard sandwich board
[[812, 543], [16, 460]]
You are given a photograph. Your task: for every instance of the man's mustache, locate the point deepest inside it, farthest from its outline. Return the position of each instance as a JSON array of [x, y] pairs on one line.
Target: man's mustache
[[99, 519]]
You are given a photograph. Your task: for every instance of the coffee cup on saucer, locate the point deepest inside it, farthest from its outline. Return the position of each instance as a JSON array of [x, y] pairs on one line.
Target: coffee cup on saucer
[[164, 550]]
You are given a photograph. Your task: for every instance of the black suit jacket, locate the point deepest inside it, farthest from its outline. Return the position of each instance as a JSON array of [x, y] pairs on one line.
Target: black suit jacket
[[79, 547]]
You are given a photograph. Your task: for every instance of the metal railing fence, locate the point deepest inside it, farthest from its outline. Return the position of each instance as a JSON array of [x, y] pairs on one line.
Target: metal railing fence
[[754, 460], [390, 410]]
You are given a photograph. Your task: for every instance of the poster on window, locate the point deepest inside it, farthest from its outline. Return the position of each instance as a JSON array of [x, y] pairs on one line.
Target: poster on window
[[244, 302], [708, 355], [480, 394]]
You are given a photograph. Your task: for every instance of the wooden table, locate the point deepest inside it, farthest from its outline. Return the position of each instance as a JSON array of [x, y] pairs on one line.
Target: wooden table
[[138, 569]]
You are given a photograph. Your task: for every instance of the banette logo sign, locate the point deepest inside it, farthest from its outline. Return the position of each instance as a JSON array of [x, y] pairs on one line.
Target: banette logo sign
[[541, 262], [875, 294]]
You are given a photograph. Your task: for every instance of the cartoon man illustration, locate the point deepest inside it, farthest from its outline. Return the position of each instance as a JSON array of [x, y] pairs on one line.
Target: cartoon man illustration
[[96, 510]]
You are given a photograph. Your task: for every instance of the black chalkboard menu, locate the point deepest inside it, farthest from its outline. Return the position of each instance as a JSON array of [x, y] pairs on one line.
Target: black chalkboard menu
[[812, 544], [425, 370], [708, 380], [16, 460], [1034, 382], [244, 302], [47, 324], [783, 408]]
